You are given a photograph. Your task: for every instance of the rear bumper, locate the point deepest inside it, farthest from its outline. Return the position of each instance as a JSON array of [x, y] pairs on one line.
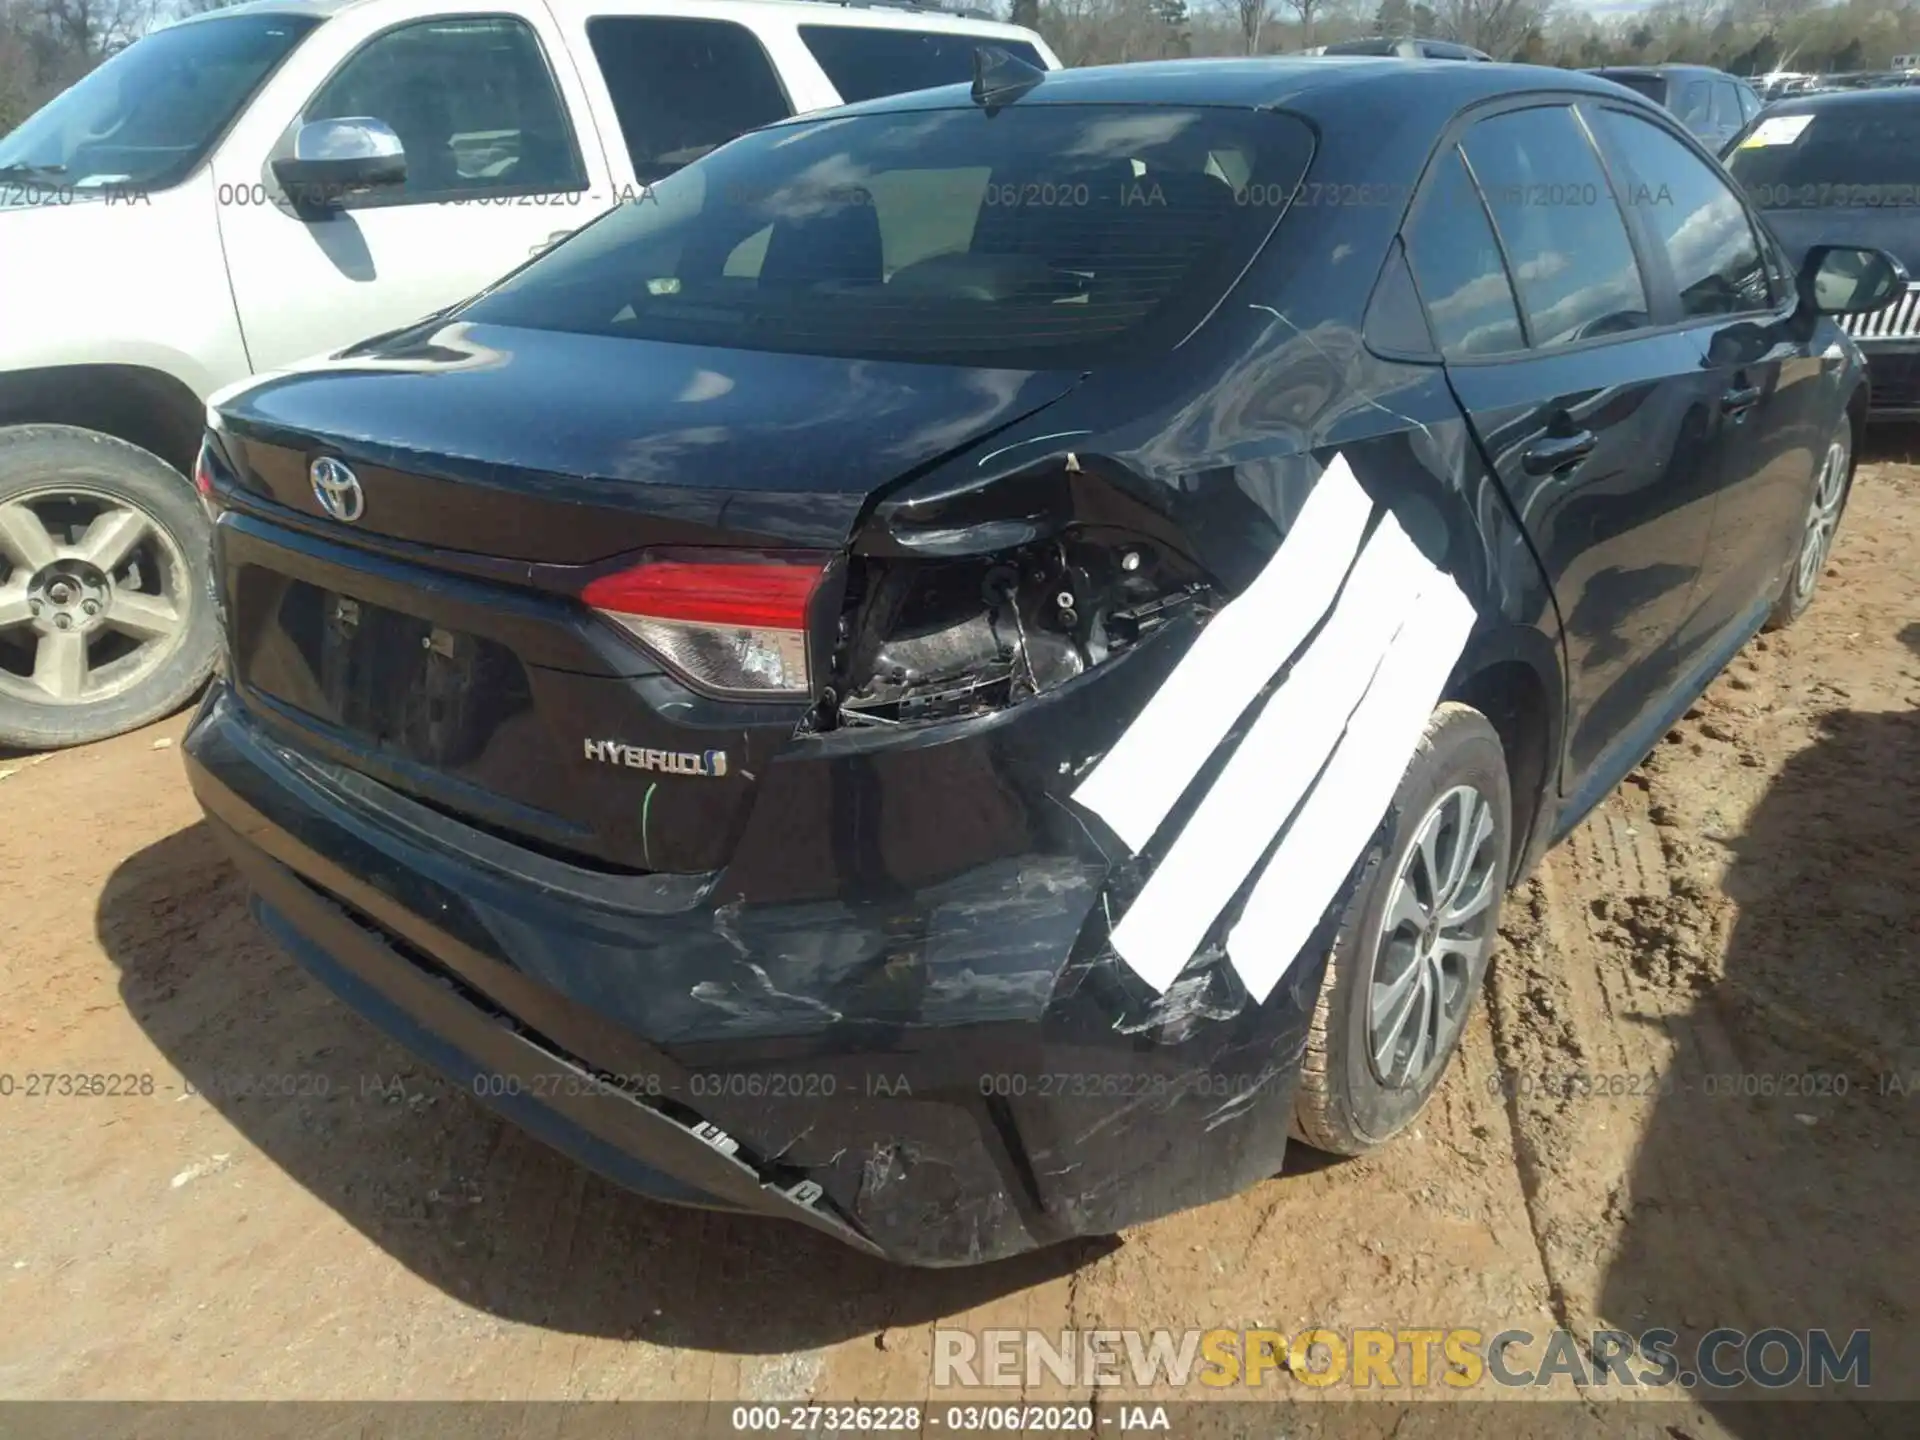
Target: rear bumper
[[940, 1075]]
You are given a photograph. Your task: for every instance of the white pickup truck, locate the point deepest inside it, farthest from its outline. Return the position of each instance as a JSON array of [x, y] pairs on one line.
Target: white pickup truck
[[240, 191]]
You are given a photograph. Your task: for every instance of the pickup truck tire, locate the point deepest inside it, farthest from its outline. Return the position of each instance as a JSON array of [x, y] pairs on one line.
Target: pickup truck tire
[[1413, 942], [106, 616]]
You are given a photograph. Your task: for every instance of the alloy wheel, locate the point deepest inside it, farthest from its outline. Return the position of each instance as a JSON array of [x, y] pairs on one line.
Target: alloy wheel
[[1823, 514], [1434, 936], [92, 598]]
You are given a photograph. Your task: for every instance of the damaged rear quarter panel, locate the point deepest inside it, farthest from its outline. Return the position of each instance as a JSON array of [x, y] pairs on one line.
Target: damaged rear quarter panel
[[1127, 1104]]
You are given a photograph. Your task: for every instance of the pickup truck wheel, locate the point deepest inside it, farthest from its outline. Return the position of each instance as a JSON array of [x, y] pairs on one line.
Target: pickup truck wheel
[[105, 617], [1413, 943]]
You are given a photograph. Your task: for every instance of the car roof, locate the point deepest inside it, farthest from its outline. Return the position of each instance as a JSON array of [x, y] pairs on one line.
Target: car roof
[[872, 13], [317, 9], [1400, 40], [1269, 82], [1674, 69]]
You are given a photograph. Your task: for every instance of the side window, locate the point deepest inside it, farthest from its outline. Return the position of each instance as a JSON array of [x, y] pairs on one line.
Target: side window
[[1749, 103], [473, 103], [1458, 269], [1692, 214], [1726, 106], [1565, 239], [865, 62], [682, 87], [1693, 103], [1395, 321]]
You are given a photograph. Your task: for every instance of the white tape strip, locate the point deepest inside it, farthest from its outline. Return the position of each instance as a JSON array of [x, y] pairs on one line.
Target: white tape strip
[[1275, 762], [1346, 805], [1139, 781]]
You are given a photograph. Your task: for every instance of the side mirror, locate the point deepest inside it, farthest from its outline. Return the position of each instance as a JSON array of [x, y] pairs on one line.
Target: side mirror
[[1850, 279], [333, 159]]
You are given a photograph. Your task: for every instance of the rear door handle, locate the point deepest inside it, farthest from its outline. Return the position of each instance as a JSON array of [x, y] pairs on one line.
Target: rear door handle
[[1741, 400], [1562, 452]]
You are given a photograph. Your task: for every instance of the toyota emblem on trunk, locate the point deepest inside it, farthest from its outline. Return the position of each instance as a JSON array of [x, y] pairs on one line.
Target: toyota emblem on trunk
[[337, 489]]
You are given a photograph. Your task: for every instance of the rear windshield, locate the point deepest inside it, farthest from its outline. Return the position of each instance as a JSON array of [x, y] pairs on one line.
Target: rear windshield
[[1037, 236], [865, 63], [1848, 155], [1654, 87]]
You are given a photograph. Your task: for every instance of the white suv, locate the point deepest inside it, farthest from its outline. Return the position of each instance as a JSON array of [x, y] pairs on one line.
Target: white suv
[[251, 187]]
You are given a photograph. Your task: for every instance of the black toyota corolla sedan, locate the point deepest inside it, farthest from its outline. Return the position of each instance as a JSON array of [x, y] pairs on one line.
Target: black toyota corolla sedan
[[962, 667]]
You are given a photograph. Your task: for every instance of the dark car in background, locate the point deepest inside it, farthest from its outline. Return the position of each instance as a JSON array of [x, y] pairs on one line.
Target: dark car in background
[[985, 657], [1406, 47], [1711, 103], [1844, 168]]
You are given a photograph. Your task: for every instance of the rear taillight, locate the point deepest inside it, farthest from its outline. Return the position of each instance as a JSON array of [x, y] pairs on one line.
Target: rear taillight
[[209, 468], [734, 625]]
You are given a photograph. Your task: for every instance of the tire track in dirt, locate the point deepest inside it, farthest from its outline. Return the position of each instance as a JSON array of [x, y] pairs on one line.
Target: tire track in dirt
[[1707, 991]]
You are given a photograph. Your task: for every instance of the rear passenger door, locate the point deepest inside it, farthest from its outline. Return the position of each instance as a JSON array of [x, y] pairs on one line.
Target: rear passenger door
[[1595, 416]]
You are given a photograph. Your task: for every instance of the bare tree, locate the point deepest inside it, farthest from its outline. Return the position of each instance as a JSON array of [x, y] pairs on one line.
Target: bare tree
[[1306, 10], [46, 45], [91, 30], [1771, 14], [1394, 19], [1253, 19], [18, 74], [1173, 16], [1101, 32], [1499, 27]]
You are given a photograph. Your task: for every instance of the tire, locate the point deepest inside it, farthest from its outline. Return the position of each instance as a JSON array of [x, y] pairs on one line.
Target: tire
[[1832, 484], [106, 618], [1347, 1102]]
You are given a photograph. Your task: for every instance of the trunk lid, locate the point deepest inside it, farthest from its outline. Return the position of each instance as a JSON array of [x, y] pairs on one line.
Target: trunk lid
[[436, 641], [568, 449]]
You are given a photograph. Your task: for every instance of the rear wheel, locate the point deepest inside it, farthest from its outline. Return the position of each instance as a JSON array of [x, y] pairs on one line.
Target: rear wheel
[[1829, 501], [105, 622], [1412, 947]]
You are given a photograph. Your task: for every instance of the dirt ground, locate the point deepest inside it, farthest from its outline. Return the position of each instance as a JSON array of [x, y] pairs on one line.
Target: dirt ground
[[1736, 932]]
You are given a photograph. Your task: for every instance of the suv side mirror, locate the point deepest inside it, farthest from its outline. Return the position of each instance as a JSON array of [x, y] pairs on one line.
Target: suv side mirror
[[333, 159], [1850, 279]]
